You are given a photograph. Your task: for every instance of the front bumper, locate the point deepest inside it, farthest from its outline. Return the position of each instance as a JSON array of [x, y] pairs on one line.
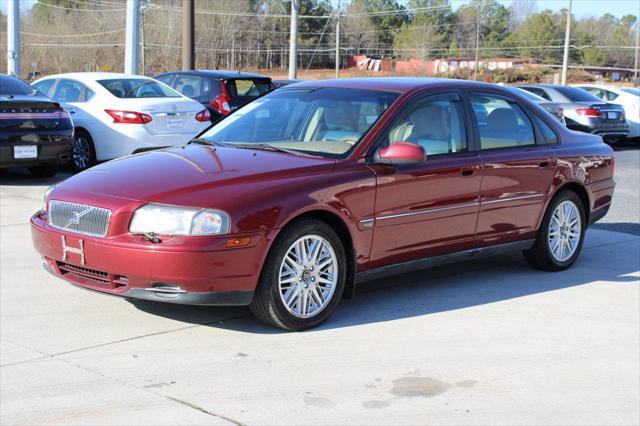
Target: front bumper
[[130, 266]]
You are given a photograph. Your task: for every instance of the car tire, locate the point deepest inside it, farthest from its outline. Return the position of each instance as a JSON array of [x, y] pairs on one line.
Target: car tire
[[296, 292], [44, 170], [561, 234], [84, 152]]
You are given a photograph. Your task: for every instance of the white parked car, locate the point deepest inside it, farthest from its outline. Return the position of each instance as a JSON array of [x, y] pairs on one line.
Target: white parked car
[[628, 97], [118, 114]]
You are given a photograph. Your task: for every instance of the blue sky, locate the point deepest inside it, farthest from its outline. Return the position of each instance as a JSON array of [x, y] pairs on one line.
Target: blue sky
[[581, 8]]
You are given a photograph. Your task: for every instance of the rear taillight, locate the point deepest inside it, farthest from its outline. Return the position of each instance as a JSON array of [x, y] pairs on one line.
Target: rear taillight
[[221, 102], [613, 166], [203, 115], [589, 112], [129, 117]]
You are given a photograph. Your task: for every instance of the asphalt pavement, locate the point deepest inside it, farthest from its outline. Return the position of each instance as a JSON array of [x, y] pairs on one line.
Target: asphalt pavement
[[485, 342]]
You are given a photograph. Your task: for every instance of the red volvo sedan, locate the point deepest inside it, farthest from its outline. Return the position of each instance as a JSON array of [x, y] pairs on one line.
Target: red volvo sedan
[[291, 200]]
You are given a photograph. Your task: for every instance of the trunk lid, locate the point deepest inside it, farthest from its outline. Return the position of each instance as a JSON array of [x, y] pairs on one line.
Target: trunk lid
[[170, 115], [26, 113]]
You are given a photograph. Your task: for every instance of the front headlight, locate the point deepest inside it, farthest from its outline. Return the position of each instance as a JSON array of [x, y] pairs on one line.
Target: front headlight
[[171, 220], [46, 196]]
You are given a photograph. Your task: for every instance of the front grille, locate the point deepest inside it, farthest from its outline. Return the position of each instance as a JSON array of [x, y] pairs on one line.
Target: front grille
[[90, 274], [79, 218]]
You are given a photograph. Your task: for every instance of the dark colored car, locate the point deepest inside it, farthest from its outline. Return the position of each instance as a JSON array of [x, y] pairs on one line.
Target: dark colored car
[[35, 132], [583, 111], [552, 107], [221, 92], [289, 202]]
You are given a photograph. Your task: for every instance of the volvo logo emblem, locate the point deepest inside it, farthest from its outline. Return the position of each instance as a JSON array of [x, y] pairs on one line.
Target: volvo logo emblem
[[75, 218]]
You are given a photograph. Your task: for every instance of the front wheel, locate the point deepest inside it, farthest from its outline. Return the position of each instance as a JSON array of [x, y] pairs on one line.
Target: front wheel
[[561, 234], [303, 277]]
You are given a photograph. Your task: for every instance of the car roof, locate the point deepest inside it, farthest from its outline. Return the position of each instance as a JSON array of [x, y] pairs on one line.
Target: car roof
[[221, 74], [390, 84], [93, 76]]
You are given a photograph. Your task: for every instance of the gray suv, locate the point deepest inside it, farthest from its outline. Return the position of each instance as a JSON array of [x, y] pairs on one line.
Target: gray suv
[[583, 111]]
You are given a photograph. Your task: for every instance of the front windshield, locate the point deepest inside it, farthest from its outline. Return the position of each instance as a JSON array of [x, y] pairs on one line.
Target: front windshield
[[319, 121]]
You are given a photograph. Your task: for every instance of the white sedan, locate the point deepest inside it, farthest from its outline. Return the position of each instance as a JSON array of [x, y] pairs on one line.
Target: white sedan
[[118, 114], [628, 97]]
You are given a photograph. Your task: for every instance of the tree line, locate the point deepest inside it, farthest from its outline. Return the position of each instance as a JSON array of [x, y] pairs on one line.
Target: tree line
[[82, 35]]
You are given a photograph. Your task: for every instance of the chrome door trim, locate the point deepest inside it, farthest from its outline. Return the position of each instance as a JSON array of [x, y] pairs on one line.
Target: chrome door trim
[[418, 212], [520, 197]]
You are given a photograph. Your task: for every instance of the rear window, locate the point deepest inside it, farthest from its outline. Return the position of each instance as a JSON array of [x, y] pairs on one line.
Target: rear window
[[138, 88], [576, 94], [14, 86], [247, 87]]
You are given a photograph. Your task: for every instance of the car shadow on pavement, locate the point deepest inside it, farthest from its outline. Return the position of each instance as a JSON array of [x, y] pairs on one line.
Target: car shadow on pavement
[[626, 227], [422, 293], [20, 177]]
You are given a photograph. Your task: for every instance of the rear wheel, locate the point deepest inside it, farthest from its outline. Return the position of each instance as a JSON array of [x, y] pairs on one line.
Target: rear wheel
[[44, 170], [561, 234], [303, 277], [84, 154]]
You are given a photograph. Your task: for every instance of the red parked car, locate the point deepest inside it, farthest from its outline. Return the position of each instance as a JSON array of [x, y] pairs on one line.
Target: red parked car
[[294, 198]]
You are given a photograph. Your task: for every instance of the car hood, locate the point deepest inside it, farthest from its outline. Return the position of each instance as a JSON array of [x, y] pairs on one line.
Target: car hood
[[192, 175]]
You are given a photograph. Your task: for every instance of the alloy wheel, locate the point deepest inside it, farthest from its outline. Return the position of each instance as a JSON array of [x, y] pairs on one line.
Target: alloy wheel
[[565, 229], [81, 152], [308, 276]]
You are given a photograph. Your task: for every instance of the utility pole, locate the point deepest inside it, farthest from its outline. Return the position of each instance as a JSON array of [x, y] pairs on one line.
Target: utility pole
[[143, 65], [13, 37], [132, 38], [188, 35], [338, 41], [635, 61], [567, 36], [293, 40], [477, 65]]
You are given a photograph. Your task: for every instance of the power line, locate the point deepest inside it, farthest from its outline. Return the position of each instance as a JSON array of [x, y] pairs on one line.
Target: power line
[[74, 9], [72, 35]]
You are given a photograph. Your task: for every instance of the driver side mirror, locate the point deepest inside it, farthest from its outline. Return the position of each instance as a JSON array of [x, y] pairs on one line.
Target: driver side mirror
[[401, 153]]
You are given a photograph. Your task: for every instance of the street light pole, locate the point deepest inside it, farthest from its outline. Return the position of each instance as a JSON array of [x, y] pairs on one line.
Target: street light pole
[[132, 37], [293, 40], [338, 41], [567, 36], [13, 37], [188, 35]]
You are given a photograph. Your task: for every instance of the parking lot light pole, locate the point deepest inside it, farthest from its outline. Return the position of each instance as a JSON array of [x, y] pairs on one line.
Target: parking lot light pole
[[13, 37], [338, 41], [188, 35], [293, 40], [132, 38], [567, 36]]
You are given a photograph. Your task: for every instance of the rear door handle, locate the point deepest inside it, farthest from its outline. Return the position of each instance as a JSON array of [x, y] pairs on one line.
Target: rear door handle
[[544, 163], [71, 111], [466, 172]]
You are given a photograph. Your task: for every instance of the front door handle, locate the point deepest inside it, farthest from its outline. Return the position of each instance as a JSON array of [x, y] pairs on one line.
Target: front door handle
[[71, 111], [544, 163]]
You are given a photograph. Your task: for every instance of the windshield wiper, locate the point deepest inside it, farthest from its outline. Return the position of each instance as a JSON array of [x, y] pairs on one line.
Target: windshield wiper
[[267, 147], [203, 141]]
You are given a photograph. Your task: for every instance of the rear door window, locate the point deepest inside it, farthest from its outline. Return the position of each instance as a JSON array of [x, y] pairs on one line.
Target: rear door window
[[166, 79], [501, 122], [548, 134], [71, 91], [576, 94], [44, 86], [193, 86]]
